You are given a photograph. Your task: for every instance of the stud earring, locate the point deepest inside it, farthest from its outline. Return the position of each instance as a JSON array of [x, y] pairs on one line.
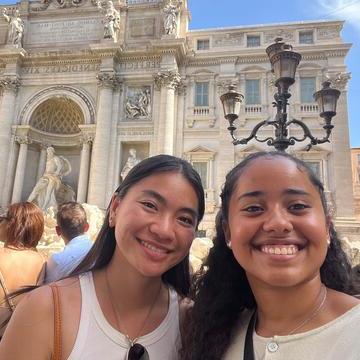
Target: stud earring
[[328, 242], [228, 244]]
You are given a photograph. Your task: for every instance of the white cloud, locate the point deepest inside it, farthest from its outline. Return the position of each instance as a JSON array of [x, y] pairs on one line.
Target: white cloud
[[348, 10]]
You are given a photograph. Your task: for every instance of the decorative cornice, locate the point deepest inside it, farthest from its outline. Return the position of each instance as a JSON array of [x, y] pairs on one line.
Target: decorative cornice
[[11, 83], [168, 78]]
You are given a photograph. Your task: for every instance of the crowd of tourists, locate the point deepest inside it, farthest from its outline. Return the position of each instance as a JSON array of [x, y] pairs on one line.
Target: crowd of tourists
[[276, 284]]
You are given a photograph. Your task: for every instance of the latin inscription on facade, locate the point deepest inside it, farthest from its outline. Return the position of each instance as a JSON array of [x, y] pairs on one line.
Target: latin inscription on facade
[[65, 31], [139, 65], [52, 69]]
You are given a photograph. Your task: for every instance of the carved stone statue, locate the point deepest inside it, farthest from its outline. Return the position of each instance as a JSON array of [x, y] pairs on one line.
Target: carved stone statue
[[130, 163], [171, 13], [138, 103], [16, 28], [111, 20], [49, 190]]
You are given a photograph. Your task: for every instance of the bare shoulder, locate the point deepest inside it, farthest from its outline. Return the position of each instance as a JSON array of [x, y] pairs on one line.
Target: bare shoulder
[[33, 322]]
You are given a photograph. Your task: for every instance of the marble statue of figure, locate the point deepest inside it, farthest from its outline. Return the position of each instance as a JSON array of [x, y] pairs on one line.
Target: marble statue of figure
[[49, 191], [16, 27], [111, 20], [171, 13], [130, 163]]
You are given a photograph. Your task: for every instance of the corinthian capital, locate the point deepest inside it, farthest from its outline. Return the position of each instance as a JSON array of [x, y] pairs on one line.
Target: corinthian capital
[[87, 138], [168, 78], [338, 80], [108, 79], [21, 139], [10, 83]]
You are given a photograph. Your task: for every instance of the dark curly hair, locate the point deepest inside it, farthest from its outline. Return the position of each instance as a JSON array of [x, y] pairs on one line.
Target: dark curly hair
[[221, 290]]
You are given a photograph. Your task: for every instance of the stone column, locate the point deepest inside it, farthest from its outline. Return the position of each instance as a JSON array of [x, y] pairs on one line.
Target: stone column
[[101, 151], [341, 177], [20, 168], [42, 161], [84, 169], [110, 186], [10, 85], [167, 81]]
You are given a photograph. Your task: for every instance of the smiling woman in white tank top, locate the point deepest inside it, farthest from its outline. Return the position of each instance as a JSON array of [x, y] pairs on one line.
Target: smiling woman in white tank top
[[126, 299]]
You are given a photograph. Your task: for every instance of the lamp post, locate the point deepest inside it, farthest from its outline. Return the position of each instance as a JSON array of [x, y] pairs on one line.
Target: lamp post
[[284, 62]]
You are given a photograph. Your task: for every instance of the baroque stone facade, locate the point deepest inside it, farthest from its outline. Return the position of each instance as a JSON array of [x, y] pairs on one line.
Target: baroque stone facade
[[94, 89]]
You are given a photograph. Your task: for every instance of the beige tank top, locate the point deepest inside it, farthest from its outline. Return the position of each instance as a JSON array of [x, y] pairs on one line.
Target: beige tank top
[[97, 339]]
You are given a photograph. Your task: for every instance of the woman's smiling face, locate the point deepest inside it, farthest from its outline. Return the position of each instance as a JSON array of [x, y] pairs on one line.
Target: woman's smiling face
[[276, 223], [155, 223]]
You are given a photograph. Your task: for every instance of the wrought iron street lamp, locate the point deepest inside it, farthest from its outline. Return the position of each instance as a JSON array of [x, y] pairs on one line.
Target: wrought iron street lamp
[[284, 62]]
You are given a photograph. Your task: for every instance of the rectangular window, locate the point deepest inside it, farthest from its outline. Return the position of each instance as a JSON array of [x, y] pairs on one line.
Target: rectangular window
[[306, 37], [203, 44], [202, 94], [307, 89], [358, 158], [201, 168], [315, 167], [252, 92], [253, 40]]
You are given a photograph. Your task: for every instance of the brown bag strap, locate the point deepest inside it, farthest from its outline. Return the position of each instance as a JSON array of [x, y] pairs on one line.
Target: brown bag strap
[[57, 323], [8, 301]]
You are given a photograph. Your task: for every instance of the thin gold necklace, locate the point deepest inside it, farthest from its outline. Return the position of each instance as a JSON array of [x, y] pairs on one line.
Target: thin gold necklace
[[273, 345], [134, 340]]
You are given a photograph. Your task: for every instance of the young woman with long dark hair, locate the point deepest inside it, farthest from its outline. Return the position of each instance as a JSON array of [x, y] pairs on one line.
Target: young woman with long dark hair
[[277, 280], [124, 299]]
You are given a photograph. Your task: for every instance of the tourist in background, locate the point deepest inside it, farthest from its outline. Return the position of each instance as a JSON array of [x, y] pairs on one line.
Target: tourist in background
[[72, 226], [277, 280], [126, 298], [21, 227]]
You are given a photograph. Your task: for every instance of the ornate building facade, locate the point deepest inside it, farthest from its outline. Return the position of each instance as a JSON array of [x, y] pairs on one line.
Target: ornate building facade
[[97, 79]]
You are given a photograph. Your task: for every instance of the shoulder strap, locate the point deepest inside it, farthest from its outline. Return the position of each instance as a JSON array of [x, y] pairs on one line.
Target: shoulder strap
[[57, 323], [9, 302], [249, 345]]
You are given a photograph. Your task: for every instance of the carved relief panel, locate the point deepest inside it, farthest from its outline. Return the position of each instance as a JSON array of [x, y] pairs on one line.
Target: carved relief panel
[[138, 103]]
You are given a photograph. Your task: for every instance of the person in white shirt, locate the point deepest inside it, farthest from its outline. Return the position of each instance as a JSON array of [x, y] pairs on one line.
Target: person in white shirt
[[72, 226], [276, 284], [127, 298]]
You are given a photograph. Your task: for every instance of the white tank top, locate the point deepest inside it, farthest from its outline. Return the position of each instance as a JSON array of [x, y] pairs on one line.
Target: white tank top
[[97, 339]]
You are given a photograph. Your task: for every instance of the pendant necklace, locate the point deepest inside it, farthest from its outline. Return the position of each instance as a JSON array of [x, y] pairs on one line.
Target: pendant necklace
[[273, 345], [131, 341]]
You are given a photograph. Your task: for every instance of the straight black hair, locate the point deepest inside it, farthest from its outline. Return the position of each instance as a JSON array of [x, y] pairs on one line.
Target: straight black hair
[[103, 249]]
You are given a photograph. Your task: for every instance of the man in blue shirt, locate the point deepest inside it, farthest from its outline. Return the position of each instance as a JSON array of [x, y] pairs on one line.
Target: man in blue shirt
[[71, 226]]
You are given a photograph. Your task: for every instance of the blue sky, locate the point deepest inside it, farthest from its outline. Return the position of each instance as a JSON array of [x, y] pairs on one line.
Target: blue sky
[[224, 13]]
